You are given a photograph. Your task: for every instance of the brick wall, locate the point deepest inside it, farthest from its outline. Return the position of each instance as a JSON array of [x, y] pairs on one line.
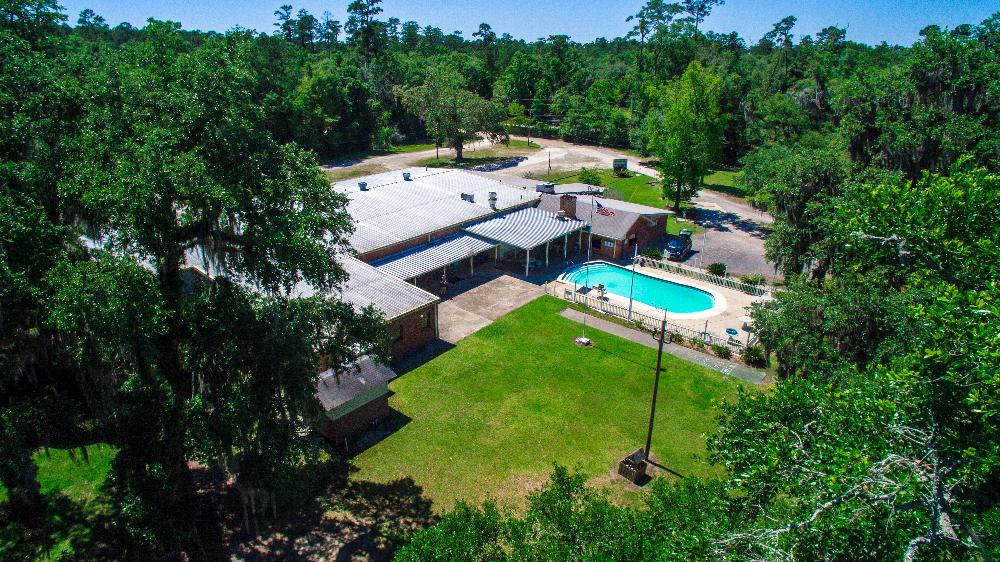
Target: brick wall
[[355, 422], [415, 330]]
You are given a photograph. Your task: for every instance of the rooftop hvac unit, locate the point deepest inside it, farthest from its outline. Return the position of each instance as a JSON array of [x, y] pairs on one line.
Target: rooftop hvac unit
[[406, 176], [561, 214], [545, 187], [363, 185], [493, 200], [471, 198]]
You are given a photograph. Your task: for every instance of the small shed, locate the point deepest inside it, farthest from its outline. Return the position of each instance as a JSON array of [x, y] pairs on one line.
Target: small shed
[[353, 400]]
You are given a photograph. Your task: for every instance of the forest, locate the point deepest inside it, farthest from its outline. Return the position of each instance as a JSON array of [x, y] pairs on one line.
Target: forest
[[125, 148]]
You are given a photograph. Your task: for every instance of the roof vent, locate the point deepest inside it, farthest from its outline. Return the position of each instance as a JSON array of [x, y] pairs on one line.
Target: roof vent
[[406, 176], [545, 188], [493, 200], [470, 197], [561, 214], [363, 185]]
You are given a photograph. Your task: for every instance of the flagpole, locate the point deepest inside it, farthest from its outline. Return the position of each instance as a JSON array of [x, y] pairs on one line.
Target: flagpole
[[590, 243], [632, 282]]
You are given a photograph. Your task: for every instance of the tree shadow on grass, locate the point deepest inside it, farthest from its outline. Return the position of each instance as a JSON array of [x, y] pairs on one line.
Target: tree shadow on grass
[[338, 517], [65, 529]]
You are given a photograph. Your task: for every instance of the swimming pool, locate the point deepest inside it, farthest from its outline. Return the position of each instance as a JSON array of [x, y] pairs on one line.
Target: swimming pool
[[660, 293]]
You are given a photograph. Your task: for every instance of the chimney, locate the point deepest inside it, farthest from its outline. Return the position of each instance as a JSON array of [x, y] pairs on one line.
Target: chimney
[[493, 200], [567, 204], [363, 185]]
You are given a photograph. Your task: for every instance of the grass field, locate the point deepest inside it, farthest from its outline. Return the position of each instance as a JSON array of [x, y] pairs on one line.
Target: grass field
[[489, 417], [724, 181], [637, 188], [71, 485]]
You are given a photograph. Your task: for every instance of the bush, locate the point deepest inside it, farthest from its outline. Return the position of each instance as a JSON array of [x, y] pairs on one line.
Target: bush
[[719, 269], [653, 253], [590, 177], [696, 342], [722, 351], [755, 356], [752, 279]]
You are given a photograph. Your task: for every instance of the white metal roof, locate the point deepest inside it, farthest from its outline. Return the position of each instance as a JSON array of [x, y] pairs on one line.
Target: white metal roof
[[393, 210], [369, 286], [525, 228], [430, 257], [625, 214]]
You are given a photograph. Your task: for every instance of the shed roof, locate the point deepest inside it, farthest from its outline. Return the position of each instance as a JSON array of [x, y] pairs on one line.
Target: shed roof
[[393, 210], [369, 286], [525, 228], [364, 379], [429, 257]]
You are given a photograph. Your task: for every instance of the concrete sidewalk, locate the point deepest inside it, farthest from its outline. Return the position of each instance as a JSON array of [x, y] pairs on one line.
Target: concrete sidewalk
[[737, 370]]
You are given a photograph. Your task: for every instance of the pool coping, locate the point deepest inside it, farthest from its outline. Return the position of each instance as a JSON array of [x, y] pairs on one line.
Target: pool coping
[[720, 302]]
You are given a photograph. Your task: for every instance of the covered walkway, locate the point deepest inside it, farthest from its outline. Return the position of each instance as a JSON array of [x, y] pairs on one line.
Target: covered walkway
[[528, 229], [438, 255]]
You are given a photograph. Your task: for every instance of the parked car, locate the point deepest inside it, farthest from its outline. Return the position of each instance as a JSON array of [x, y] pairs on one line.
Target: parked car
[[679, 247]]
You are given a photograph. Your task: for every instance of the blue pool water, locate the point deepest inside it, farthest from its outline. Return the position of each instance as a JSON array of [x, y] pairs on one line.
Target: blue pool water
[[660, 293]]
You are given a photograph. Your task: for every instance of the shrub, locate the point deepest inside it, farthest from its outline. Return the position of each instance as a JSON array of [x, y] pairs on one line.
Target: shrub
[[722, 351], [717, 268], [590, 177], [696, 342], [653, 253], [755, 356], [752, 279]]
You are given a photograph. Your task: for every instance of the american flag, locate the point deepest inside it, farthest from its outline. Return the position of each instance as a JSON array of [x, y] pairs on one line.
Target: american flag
[[602, 210]]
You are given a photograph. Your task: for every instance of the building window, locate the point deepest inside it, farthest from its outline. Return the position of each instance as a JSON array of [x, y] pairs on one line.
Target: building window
[[610, 244]]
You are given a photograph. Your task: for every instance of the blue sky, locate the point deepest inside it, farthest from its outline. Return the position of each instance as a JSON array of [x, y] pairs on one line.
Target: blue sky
[[894, 21]]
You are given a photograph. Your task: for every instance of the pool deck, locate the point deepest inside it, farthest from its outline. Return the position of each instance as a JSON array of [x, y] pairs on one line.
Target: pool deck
[[724, 315]]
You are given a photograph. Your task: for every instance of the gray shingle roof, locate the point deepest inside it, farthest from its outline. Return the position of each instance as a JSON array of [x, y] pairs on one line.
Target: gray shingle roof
[[615, 227], [430, 257], [393, 210], [525, 228]]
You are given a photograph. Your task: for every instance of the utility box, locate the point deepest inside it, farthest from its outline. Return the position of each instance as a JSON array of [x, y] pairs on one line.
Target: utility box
[[633, 467], [619, 164]]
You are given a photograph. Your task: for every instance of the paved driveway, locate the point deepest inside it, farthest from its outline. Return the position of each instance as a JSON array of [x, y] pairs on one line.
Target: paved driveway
[[482, 304], [734, 235]]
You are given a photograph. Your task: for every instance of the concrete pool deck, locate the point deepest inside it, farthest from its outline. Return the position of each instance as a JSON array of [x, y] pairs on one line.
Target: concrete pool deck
[[737, 304]]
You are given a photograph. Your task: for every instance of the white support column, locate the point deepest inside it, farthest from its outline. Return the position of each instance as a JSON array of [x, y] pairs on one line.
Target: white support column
[[579, 243], [546, 255], [527, 260], [472, 266], [565, 244]]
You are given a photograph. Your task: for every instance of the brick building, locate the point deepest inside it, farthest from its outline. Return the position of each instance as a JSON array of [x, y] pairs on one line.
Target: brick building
[[615, 233]]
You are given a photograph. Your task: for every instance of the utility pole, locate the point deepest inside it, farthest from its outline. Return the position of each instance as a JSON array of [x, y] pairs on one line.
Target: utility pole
[[656, 386]]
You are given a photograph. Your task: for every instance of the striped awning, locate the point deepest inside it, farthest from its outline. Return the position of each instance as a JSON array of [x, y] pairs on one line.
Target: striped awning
[[430, 257], [525, 228]]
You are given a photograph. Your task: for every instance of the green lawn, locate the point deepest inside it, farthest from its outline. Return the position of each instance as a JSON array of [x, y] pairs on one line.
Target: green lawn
[[410, 147], [637, 188], [724, 181], [489, 417], [74, 506]]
